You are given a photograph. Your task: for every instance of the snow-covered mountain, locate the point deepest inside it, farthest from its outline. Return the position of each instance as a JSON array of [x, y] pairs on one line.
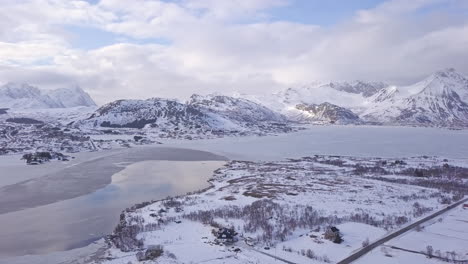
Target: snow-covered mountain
[[25, 96], [349, 96], [439, 100], [201, 115], [325, 112], [140, 113], [71, 97], [238, 109]]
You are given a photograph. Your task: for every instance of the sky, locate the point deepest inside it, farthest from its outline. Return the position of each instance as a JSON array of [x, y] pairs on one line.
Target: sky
[[118, 49]]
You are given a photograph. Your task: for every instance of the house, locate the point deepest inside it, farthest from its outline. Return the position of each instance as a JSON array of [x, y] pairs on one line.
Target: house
[[465, 206], [226, 235], [333, 234]]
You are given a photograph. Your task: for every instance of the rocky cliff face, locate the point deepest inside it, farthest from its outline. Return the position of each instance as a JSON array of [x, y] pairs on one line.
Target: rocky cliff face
[[326, 112]]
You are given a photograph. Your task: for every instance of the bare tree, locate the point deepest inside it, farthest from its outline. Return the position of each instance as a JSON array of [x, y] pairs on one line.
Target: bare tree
[[429, 251]]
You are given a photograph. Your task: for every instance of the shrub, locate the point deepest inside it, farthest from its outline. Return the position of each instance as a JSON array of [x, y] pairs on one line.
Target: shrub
[[419, 228], [310, 254], [151, 253], [365, 243]]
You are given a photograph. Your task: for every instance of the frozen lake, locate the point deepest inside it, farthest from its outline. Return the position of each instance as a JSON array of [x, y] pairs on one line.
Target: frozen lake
[[366, 141], [72, 207]]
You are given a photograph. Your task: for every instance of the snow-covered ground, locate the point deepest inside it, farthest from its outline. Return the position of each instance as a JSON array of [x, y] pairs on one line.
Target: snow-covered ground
[[359, 141], [444, 238], [282, 209]]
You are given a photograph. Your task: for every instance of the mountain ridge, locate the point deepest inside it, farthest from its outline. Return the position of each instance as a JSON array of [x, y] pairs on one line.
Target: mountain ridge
[[441, 100], [201, 115]]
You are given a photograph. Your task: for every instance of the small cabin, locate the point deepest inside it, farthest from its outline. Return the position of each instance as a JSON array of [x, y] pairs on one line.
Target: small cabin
[[465, 206], [333, 234], [226, 235]]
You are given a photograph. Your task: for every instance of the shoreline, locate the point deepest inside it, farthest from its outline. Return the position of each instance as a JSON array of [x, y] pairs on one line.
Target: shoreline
[[74, 183], [168, 170]]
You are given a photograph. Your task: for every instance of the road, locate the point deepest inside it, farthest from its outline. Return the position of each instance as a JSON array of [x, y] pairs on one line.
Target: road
[[273, 256], [387, 238]]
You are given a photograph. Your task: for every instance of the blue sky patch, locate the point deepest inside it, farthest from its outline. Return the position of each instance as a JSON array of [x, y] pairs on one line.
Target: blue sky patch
[[87, 38]]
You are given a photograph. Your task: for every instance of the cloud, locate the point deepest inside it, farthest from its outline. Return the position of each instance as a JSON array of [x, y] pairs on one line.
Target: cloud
[[224, 46], [234, 10]]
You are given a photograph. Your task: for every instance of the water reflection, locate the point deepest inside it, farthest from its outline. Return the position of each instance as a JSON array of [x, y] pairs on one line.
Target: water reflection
[[86, 177], [76, 222]]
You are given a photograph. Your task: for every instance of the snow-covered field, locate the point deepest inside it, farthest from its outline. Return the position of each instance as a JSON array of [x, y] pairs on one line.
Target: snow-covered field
[[327, 194], [444, 239], [282, 209]]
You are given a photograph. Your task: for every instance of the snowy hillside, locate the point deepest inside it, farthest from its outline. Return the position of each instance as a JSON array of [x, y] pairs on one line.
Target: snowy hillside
[[25, 96], [238, 109], [439, 100], [200, 117], [139, 113]]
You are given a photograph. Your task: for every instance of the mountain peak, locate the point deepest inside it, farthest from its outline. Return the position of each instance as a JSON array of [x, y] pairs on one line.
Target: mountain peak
[[365, 88], [26, 96], [445, 72], [448, 73], [71, 97], [19, 90]]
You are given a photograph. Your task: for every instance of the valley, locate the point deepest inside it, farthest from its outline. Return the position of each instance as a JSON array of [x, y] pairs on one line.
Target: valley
[[233, 132], [281, 174]]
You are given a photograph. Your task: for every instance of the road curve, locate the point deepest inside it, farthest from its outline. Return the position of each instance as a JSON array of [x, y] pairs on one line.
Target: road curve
[[385, 239]]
